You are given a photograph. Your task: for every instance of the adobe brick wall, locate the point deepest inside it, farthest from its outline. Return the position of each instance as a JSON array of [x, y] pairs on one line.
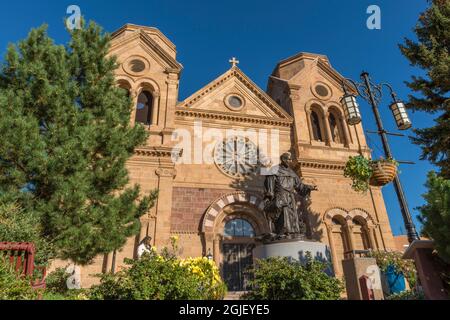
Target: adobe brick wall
[[189, 206]]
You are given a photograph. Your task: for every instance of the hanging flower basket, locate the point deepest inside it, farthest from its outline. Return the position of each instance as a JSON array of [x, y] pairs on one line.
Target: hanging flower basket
[[384, 172], [365, 173]]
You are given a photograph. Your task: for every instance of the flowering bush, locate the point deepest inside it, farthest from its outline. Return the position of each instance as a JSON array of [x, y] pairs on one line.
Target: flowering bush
[[208, 274], [390, 258], [162, 277]]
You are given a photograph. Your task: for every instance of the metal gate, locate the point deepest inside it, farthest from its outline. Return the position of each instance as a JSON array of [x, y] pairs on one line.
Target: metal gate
[[237, 259]]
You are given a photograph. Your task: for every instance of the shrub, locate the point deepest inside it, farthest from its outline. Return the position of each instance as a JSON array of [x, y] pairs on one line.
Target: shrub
[[57, 281], [284, 279], [407, 295], [16, 225], [161, 277], [208, 274], [405, 266], [13, 286]]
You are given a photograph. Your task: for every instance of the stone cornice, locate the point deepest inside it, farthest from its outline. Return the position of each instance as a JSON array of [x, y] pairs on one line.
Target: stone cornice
[[213, 115], [158, 152], [320, 164]]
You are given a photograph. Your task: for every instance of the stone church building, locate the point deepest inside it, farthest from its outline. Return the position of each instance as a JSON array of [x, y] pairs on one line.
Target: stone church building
[[215, 207]]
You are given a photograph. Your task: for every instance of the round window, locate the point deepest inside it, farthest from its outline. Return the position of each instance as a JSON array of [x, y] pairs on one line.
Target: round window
[[235, 102], [137, 65], [322, 91]]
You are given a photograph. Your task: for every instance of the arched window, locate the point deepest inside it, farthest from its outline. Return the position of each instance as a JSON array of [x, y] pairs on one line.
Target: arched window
[[124, 85], [336, 128], [340, 237], [144, 108], [360, 235], [316, 127], [239, 228]]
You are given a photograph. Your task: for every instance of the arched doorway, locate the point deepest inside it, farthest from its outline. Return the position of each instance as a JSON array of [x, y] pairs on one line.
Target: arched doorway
[[237, 252], [229, 227]]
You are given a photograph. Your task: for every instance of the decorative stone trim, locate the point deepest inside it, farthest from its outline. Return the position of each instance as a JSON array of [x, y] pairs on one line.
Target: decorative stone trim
[[348, 215], [219, 204], [316, 164], [232, 117], [159, 152], [166, 172]]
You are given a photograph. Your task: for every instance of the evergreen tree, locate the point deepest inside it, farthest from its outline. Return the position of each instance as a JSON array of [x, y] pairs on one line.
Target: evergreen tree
[[435, 215], [66, 137], [431, 53]]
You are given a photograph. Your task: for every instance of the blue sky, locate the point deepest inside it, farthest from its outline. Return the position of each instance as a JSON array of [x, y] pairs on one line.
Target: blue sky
[[261, 33]]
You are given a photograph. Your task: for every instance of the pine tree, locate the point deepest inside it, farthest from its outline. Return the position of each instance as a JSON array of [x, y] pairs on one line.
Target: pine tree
[[431, 53], [435, 215], [66, 137]]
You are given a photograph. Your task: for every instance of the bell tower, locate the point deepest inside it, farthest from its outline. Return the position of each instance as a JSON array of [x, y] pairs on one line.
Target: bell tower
[[150, 72], [309, 89]]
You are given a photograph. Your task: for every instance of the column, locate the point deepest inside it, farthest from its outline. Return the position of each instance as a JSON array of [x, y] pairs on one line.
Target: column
[[337, 267], [351, 240], [216, 250], [134, 99], [346, 132], [171, 101], [369, 230], [155, 111], [164, 206], [328, 135]]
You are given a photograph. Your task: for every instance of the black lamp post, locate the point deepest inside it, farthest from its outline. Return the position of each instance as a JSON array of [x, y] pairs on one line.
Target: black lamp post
[[372, 93]]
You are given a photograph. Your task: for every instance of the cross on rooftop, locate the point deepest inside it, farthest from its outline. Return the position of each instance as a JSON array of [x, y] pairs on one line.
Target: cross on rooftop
[[234, 62]]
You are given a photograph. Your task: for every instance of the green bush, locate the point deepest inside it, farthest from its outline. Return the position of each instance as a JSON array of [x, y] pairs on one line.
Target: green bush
[[14, 286], [155, 277], [407, 295], [57, 281], [283, 279], [16, 225]]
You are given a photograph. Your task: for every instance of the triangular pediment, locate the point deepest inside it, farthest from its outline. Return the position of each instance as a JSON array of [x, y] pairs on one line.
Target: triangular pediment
[[150, 41], [213, 99]]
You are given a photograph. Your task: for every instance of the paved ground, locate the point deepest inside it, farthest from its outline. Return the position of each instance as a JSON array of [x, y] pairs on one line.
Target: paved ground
[[234, 295]]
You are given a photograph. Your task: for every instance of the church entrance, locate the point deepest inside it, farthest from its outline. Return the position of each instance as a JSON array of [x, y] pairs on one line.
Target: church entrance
[[237, 253]]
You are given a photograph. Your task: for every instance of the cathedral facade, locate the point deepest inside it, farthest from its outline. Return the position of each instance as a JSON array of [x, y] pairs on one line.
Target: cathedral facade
[[210, 191]]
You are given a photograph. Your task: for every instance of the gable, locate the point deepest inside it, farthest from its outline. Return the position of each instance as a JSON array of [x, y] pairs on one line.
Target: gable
[[214, 96], [128, 42], [306, 66]]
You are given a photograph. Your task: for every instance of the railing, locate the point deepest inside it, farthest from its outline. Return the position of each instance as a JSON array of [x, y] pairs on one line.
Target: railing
[[20, 256]]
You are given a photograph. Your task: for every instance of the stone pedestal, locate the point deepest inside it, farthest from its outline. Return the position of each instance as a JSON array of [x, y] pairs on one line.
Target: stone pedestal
[[362, 279], [427, 269], [294, 249]]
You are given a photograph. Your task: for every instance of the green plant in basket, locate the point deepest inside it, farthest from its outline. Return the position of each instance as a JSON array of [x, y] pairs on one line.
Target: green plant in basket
[[360, 170]]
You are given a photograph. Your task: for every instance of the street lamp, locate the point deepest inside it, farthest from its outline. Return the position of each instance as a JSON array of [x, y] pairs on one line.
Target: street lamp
[[373, 93]]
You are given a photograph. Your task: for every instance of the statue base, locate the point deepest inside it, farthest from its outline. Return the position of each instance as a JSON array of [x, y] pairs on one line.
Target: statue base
[[295, 249]]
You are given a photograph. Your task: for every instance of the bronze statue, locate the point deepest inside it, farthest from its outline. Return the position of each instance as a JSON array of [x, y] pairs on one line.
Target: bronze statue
[[281, 206]]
